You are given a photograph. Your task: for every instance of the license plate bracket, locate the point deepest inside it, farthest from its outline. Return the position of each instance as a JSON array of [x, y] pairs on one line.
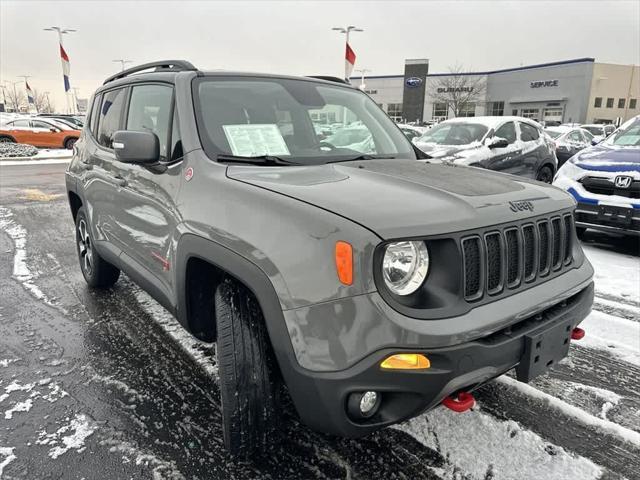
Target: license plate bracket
[[543, 348], [615, 215]]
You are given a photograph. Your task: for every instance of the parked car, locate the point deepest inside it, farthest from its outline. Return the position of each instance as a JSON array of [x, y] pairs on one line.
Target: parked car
[[599, 131], [513, 145], [372, 287], [76, 121], [568, 141], [40, 132], [605, 181]]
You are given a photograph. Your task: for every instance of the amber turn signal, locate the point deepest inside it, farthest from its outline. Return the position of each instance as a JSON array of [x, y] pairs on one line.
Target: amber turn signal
[[406, 361], [344, 262]]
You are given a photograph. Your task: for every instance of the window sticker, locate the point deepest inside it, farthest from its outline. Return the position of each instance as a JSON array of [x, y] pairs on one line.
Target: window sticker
[[254, 140]]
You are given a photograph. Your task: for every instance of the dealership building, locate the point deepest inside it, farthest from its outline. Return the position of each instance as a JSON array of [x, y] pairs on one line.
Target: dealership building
[[580, 90]]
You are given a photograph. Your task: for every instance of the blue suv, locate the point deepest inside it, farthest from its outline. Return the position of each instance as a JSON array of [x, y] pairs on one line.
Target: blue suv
[[605, 181]]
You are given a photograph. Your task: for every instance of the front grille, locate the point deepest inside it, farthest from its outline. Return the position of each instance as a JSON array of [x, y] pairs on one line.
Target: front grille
[[510, 257], [606, 186]]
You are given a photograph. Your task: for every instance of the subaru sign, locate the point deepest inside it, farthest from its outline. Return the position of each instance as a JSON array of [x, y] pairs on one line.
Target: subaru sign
[[413, 82]]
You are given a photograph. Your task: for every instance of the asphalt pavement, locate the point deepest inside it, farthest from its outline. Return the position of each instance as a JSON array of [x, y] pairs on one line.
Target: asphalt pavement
[[104, 385]]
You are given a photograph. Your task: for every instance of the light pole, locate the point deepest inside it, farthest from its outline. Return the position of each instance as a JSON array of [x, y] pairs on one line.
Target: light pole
[[122, 62], [362, 72], [65, 62], [346, 31]]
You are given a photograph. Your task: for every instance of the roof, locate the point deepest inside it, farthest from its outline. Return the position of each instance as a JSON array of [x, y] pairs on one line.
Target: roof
[[491, 72], [490, 122]]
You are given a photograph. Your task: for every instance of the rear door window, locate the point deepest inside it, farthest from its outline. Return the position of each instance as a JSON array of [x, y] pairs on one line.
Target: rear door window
[[150, 110], [110, 114], [528, 133]]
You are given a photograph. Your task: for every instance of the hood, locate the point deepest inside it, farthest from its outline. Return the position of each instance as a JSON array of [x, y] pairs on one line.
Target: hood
[[608, 158], [405, 198]]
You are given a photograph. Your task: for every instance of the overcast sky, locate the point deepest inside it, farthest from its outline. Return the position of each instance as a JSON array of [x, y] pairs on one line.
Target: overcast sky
[[296, 37]]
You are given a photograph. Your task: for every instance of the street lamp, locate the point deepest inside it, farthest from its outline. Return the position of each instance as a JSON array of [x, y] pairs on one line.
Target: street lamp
[[122, 62], [346, 31], [362, 72], [75, 98], [65, 62]]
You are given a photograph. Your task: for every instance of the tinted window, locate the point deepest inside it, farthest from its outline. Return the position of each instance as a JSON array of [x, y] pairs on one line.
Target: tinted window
[[150, 110], [95, 108], [632, 103], [609, 102], [528, 132], [598, 102], [507, 131], [553, 133], [575, 136], [455, 133], [587, 134], [20, 123], [41, 124], [621, 103], [110, 113]]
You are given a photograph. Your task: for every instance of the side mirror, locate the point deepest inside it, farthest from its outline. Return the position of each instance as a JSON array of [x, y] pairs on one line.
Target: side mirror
[[54, 130], [497, 142], [136, 147], [595, 141]]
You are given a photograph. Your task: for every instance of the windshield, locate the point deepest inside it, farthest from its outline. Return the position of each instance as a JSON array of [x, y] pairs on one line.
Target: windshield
[[454, 133], [553, 133], [628, 135], [593, 129], [253, 117]]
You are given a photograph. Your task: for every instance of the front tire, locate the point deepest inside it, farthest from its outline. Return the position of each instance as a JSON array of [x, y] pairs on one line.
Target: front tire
[[7, 139], [248, 386], [69, 143], [545, 174], [97, 272]]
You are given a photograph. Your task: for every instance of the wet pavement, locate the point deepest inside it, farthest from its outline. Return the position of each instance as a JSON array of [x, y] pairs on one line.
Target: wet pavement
[[104, 384]]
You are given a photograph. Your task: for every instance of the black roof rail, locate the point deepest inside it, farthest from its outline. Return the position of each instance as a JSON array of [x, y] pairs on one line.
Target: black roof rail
[[329, 79], [160, 65]]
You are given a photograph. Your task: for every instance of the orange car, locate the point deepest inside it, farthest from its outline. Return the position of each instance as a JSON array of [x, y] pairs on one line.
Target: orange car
[[39, 132]]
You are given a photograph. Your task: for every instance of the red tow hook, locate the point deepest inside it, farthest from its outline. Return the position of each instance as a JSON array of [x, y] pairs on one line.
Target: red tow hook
[[463, 402], [577, 334]]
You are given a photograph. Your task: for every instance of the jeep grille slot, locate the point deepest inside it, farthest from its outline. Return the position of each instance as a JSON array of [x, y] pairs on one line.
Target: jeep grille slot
[[472, 268], [494, 262], [512, 256]]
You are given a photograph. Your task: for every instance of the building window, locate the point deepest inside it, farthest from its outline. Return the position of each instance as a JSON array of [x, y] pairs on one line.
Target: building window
[[530, 113], [394, 110], [598, 102], [609, 102], [621, 103], [468, 110], [514, 112], [497, 109], [632, 103], [439, 111]]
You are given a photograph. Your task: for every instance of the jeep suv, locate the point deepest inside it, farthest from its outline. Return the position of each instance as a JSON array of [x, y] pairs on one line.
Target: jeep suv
[[367, 288]]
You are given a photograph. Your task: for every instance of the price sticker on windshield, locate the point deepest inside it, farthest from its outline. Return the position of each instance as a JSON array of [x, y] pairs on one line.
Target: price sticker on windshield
[[254, 140]]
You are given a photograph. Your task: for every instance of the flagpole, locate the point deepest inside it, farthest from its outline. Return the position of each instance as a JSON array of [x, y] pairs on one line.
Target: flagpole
[[66, 69], [347, 31], [30, 98]]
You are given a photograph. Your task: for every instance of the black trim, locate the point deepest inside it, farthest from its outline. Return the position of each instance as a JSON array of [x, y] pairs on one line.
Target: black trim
[[160, 65]]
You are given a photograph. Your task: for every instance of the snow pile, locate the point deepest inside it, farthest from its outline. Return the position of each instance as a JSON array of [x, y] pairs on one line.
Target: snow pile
[[7, 453], [9, 149], [79, 429], [616, 275], [484, 447], [18, 407]]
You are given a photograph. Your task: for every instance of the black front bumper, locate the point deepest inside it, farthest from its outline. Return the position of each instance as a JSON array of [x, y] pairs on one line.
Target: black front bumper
[[321, 397], [624, 220]]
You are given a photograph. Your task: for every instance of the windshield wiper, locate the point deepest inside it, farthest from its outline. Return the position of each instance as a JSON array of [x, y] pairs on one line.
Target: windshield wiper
[[257, 160], [364, 156]]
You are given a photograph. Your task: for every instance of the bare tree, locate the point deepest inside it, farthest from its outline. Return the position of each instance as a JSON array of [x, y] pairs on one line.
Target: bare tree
[[41, 102], [459, 90], [15, 98]]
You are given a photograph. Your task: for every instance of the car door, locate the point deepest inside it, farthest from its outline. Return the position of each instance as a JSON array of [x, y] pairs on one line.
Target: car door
[[575, 141], [48, 134], [504, 159], [21, 131], [148, 216], [533, 152]]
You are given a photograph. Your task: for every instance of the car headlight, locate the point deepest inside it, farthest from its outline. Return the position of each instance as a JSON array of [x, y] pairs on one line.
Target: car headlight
[[405, 266], [570, 170]]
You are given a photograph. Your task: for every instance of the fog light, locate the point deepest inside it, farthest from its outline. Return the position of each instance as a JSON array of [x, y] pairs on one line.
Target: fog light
[[368, 402], [406, 361]]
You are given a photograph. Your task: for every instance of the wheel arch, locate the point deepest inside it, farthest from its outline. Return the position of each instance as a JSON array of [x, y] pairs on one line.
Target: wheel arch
[[10, 137], [69, 137]]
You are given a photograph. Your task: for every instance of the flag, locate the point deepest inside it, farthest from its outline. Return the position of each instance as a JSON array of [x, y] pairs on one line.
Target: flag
[[30, 98], [66, 69], [349, 62]]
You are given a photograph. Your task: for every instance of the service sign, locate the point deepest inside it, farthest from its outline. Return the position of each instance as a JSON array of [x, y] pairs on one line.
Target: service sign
[[544, 83]]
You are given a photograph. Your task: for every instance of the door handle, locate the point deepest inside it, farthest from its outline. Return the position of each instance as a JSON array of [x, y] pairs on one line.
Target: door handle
[[119, 181], [85, 166]]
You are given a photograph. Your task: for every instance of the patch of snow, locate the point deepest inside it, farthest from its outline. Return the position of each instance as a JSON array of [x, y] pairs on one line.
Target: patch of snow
[[7, 453], [618, 336], [79, 428], [123, 387], [616, 274], [18, 163], [161, 469], [21, 271], [5, 363], [18, 407], [502, 450], [574, 412]]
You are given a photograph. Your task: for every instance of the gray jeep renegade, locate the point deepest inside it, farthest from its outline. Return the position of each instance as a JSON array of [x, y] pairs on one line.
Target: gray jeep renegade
[[362, 288]]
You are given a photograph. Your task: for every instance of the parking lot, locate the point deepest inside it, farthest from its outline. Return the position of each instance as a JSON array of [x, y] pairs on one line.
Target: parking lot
[[106, 385]]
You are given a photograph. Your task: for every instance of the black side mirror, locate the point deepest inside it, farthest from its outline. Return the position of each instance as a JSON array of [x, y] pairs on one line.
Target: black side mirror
[[497, 142], [136, 147], [54, 129]]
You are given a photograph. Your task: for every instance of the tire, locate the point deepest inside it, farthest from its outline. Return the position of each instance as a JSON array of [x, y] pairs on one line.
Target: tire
[[69, 143], [248, 378], [580, 232], [545, 174], [97, 272], [7, 140]]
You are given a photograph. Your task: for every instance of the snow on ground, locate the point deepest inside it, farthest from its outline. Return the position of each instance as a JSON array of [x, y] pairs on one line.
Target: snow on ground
[[484, 447], [78, 430], [616, 275], [618, 336], [47, 161], [7, 453]]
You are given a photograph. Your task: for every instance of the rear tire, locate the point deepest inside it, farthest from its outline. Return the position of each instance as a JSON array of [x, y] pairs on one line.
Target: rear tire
[[69, 143], [7, 140], [97, 272], [545, 174], [248, 386]]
